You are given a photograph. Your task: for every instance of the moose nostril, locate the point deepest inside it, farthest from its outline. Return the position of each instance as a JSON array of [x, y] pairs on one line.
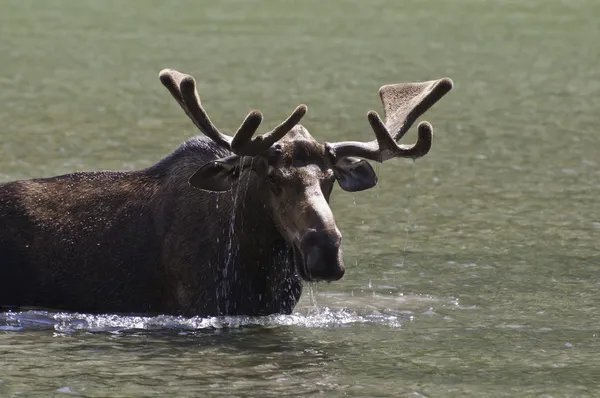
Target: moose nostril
[[322, 238], [322, 254], [324, 263]]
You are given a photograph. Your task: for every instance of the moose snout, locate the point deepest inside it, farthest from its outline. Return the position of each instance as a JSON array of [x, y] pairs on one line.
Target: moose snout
[[322, 254]]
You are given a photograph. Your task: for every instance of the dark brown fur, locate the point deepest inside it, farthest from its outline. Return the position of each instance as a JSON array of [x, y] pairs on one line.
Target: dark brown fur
[[143, 242]]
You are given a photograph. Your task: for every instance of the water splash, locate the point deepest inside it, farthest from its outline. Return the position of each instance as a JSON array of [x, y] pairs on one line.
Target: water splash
[[72, 322], [407, 228]]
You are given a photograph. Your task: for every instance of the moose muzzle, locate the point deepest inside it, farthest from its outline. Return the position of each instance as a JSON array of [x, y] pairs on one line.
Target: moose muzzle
[[322, 255]]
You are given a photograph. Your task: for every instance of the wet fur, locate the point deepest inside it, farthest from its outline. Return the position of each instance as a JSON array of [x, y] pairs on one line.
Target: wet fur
[[144, 242]]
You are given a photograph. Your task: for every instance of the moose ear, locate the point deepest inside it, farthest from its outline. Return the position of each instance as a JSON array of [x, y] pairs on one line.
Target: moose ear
[[216, 175], [354, 174]]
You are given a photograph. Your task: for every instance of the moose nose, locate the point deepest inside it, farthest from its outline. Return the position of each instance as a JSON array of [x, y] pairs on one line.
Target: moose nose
[[323, 254]]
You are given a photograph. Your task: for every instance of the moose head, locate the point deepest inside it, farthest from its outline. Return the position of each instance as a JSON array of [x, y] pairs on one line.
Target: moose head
[[295, 174]]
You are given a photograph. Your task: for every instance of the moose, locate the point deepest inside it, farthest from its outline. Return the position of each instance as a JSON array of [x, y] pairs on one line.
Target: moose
[[224, 225]]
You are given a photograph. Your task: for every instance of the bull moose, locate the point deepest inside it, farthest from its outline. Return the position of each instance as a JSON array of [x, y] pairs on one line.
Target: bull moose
[[222, 226]]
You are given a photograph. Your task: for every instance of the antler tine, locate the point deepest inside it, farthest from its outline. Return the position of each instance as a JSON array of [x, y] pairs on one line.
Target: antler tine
[[243, 143], [386, 144], [403, 104], [281, 130], [384, 147], [244, 134], [191, 99], [183, 88], [170, 79]]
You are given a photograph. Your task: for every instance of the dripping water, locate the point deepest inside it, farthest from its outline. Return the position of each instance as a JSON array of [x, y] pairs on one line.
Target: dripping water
[[224, 290], [230, 254], [312, 297], [377, 194], [407, 226], [378, 186], [245, 190]]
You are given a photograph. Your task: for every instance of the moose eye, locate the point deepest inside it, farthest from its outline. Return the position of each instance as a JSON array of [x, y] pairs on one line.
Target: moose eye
[[274, 183], [273, 179]]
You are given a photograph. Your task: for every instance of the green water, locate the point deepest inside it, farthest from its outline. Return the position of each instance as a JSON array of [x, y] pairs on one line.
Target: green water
[[472, 272]]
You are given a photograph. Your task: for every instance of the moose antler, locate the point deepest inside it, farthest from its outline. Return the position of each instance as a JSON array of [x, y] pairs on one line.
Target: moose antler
[[403, 104], [183, 88]]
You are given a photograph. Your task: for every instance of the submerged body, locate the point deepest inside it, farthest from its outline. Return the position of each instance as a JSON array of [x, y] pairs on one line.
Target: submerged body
[[139, 242]]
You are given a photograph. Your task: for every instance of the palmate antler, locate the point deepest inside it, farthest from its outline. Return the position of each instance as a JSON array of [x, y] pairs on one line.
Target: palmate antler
[[403, 104], [183, 88]]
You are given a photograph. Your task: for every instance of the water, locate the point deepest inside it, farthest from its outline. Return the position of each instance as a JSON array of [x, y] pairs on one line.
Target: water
[[473, 272], [165, 356]]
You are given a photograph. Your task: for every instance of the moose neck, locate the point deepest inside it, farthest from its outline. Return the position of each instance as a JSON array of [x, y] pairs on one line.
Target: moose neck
[[222, 253], [256, 262], [251, 227]]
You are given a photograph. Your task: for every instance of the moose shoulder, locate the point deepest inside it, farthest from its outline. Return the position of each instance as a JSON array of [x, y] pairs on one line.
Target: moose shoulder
[[223, 225]]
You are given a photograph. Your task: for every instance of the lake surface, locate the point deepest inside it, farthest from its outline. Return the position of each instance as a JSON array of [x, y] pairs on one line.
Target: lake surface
[[473, 271]]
